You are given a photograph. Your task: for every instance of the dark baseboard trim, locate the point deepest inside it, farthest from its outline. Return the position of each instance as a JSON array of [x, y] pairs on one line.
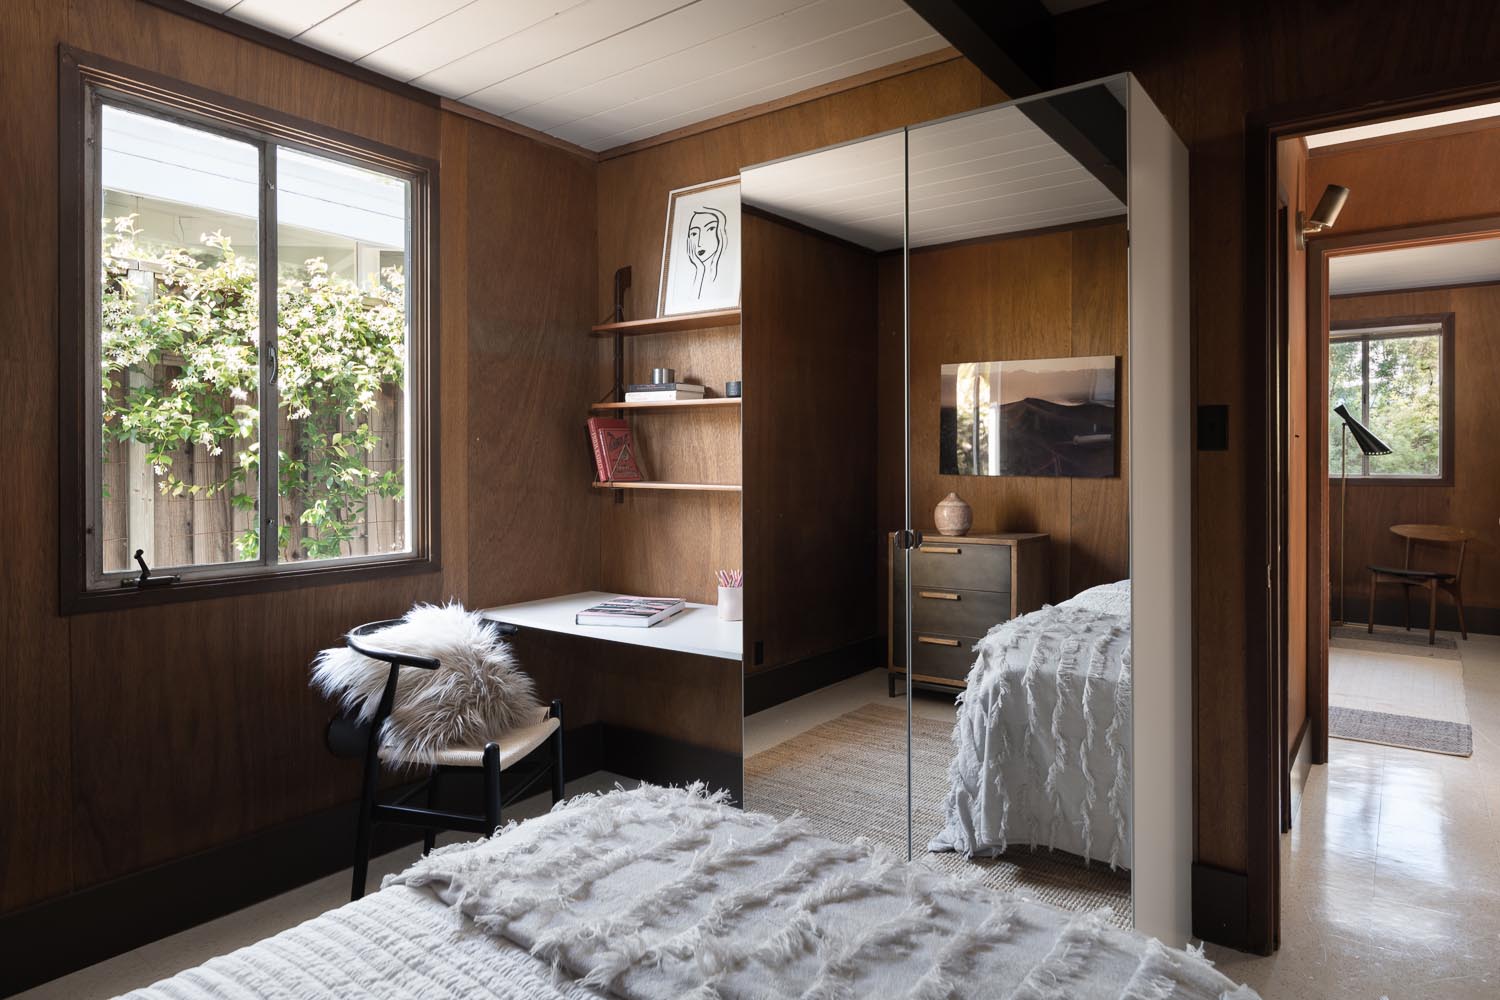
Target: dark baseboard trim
[[53, 938], [1221, 901], [662, 760], [1390, 611], [768, 688]]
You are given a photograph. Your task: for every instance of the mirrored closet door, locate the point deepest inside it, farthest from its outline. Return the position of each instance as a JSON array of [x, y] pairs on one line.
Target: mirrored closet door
[[822, 312], [1019, 588], [987, 317]]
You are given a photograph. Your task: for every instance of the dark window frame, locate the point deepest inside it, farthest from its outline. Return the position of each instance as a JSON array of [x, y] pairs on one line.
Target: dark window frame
[[1349, 329], [84, 79]]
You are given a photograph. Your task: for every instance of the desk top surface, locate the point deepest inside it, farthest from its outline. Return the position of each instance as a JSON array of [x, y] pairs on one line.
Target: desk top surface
[[695, 629]]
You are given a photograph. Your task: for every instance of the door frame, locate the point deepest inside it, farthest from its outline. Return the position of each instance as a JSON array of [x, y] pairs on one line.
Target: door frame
[[1265, 731], [1319, 324]]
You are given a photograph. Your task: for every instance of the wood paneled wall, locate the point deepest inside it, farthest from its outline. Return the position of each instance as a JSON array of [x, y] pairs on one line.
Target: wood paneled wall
[[810, 456], [1056, 294], [671, 543], [1208, 66], [1473, 501], [1430, 179], [130, 738]]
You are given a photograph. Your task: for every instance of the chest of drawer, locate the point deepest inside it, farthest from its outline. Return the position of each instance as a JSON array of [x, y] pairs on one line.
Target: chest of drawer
[[948, 657], [954, 563], [958, 612]]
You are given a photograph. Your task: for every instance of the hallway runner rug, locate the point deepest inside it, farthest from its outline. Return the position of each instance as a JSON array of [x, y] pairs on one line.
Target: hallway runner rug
[[1433, 735]]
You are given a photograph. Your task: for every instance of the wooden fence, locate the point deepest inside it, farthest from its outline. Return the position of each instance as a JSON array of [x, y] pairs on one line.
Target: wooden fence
[[191, 530]]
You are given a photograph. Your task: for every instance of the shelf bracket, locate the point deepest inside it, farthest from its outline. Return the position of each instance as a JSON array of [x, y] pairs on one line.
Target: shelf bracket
[[622, 282]]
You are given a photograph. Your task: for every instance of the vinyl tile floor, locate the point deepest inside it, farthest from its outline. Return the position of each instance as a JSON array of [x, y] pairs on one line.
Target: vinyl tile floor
[[1391, 873]]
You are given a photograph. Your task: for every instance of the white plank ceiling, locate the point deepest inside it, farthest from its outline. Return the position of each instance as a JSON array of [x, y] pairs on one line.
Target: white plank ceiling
[[602, 73], [980, 175], [1431, 266]]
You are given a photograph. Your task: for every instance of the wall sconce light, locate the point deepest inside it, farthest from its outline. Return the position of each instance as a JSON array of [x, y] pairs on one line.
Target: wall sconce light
[[1324, 215]]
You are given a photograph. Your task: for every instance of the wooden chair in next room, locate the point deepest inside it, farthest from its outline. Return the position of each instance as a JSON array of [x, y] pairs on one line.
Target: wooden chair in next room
[[1443, 537]]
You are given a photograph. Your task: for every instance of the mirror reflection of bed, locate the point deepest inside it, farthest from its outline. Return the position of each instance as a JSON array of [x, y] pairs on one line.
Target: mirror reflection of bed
[[1014, 294]]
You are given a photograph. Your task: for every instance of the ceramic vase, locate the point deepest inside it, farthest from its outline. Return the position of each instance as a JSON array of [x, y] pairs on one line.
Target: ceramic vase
[[953, 516]]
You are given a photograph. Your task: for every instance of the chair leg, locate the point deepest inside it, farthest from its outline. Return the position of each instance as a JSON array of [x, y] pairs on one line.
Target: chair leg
[[559, 776], [491, 788], [362, 831], [429, 835], [1406, 596], [1432, 614], [1370, 618], [1458, 604]]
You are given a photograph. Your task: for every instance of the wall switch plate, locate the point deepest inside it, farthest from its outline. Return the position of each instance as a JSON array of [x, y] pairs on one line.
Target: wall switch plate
[[1213, 427]]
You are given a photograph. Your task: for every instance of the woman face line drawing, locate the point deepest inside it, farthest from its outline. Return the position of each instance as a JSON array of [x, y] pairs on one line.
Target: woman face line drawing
[[705, 245]]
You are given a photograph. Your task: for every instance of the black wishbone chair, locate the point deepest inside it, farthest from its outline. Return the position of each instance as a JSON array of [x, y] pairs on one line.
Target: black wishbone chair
[[539, 743]]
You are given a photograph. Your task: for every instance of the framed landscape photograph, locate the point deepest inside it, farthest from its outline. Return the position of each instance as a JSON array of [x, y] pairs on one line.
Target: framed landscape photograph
[[700, 255], [1041, 417]]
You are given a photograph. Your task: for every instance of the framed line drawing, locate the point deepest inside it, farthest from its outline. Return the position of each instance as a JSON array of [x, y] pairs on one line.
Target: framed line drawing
[[700, 253]]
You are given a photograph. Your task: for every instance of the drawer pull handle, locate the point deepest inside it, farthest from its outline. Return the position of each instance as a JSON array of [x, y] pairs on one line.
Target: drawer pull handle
[[933, 640], [942, 550], [939, 595]]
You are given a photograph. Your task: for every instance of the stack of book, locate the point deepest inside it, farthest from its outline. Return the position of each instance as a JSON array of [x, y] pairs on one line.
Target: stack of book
[[656, 392], [615, 459]]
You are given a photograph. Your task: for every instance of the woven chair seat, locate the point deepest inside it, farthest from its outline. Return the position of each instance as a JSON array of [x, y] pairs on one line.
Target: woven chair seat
[[514, 744]]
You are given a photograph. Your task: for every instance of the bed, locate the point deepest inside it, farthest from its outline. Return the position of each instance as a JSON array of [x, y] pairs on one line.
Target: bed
[[658, 893], [1042, 739]]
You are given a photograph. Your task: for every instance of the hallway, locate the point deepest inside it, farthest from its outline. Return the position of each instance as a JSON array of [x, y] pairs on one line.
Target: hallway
[[1391, 874]]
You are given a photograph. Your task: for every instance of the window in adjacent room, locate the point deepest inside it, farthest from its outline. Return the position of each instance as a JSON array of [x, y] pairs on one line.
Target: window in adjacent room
[[1394, 379], [254, 343]]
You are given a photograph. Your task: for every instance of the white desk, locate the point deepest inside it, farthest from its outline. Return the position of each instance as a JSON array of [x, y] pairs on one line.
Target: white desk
[[695, 629]]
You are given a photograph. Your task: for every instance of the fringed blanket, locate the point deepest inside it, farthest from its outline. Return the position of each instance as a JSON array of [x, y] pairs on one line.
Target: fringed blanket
[[663, 894], [1042, 739]]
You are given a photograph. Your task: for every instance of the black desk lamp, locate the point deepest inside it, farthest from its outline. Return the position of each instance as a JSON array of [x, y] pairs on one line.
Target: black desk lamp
[[1368, 443]]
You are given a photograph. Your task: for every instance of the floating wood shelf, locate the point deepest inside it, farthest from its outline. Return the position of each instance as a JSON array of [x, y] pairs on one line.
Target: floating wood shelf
[[672, 324], [668, 404], [701, 487]]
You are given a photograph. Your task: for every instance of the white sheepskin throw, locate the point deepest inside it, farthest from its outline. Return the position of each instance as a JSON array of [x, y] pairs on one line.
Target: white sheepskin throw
[[476, 693]]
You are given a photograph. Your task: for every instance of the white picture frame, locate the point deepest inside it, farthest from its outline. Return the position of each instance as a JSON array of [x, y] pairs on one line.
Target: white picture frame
[[700, 252]]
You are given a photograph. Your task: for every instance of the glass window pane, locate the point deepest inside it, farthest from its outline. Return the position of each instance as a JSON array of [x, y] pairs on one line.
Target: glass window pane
[[1346, 359], [342, 332], [1405, 405], [179, 344]]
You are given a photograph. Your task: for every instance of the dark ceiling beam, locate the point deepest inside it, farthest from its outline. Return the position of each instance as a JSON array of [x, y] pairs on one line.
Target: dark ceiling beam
[[1090, 125], [1010, 41]]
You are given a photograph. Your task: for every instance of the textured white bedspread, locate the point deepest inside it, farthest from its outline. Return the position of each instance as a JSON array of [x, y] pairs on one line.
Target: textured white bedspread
[[395, 944], [661, 894], [658, 893], [1042, 739]]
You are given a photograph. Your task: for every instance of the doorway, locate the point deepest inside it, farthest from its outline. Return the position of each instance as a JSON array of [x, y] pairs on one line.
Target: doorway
[[1372, 379]]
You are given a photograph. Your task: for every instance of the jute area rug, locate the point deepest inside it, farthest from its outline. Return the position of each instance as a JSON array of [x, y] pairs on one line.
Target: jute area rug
[[848, 778]]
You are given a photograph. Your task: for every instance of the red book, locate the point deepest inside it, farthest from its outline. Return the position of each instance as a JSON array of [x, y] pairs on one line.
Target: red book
[[598, 450], [616, 449]]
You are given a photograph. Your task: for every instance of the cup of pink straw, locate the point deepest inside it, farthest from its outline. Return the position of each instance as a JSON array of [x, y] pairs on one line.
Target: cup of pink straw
[[731, 595]]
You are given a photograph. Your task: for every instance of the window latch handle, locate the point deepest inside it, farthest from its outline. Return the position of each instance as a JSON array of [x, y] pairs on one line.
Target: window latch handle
[[146, 580], [273, 361]]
